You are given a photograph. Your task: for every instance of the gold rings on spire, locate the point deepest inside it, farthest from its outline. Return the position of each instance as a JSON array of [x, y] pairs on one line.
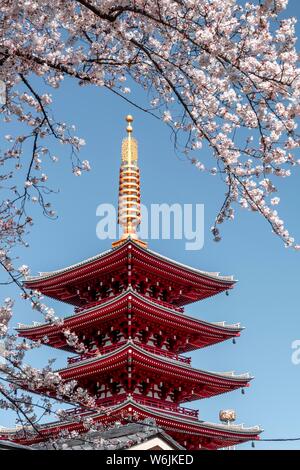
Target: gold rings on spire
[[129, 206]]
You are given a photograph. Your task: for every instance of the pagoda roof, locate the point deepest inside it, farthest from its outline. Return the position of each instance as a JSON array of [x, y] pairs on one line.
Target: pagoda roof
[[209, 332], [205, 434], [53, 284], [214, 382], [116, 438], [212, 434], [51, 274]]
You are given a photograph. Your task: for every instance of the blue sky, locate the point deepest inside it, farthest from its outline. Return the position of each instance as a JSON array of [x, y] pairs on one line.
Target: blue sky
[[266, 298]]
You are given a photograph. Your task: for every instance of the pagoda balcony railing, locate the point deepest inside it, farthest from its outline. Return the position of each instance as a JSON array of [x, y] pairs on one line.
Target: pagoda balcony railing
[[164, 303], [152, 402], [91, 354], [157, 403], [111, 295], [82, 357], [94, 303], [167, 406], [108, 349], [168, 354], [79, 411]]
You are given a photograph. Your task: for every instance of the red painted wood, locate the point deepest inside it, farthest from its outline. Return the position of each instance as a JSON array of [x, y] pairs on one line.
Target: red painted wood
[[129, 314]]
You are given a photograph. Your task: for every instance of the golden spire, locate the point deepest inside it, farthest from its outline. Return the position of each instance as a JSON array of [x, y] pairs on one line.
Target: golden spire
[[129, 207]]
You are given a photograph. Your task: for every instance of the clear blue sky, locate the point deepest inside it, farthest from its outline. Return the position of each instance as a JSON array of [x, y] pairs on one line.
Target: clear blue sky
[[266, 299]]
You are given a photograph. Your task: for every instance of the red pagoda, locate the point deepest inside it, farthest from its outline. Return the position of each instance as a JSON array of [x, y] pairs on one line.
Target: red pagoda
[[129, 313]]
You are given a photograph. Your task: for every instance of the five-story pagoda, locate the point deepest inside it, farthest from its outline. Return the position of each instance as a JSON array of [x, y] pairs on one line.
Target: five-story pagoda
[[129, 314]]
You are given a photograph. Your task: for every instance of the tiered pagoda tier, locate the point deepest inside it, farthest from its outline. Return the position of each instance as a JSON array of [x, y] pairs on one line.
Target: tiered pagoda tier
[[129, 315], [185, 427], [130, 264]]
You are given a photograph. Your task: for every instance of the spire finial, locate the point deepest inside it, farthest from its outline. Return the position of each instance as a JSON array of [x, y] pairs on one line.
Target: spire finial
[[129, 119], [129, 207]]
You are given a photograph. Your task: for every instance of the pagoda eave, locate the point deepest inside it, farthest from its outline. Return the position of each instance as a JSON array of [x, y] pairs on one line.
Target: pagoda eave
[[198, 384], [129, 264], [192, 434], [144, 311]]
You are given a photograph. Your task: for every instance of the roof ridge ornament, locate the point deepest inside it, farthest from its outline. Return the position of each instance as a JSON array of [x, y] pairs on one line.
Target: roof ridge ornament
[[129, 204]]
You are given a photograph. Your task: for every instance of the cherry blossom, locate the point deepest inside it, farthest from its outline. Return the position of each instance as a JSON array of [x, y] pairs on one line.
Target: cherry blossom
[[214, 71]]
